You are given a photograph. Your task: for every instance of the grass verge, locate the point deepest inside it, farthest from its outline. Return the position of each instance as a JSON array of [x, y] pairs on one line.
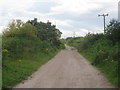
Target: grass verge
[[16, 71]]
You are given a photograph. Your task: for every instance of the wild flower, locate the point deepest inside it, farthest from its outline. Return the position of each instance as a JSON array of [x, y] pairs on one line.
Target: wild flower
[[46, 49], [112, 61], [106, 59], [20, 60], [5, 50]]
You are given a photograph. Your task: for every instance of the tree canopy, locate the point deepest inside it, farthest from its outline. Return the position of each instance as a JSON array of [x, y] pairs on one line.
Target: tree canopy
[[46, 31], [113, 30]]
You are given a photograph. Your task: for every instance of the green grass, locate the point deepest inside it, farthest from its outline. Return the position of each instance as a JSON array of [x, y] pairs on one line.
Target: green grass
[[17, 70], [110, 71], [89, 56]]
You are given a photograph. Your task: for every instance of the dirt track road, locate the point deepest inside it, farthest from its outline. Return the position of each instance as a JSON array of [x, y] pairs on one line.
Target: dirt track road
[[68, 69]]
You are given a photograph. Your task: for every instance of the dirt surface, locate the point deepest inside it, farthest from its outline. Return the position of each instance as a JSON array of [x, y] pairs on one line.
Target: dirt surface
[[68, 69]]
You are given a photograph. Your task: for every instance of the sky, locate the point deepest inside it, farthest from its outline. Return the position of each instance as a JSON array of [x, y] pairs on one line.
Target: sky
[[69, 16]]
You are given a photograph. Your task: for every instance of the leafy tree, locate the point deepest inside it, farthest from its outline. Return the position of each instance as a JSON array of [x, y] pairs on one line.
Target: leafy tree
[[46, 31], [113, 30], [23, 39], [18, 39], [17, 28], [13, 27]]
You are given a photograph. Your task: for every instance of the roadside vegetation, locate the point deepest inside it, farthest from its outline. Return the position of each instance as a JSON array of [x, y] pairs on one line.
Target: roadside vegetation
[[25, 47], [102, 50]]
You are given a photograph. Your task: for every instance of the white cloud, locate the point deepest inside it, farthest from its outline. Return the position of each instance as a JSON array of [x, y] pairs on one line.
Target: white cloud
[[18, 4], [76, 7], [66, 33], [9, 9], [60, 22], [78, 33]]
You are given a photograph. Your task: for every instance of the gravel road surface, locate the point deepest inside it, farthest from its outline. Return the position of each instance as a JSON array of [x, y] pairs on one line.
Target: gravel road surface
[[68, 69]]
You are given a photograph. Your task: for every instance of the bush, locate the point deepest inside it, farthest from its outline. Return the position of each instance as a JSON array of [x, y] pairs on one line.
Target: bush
[[21, 41], [89, 40], [101, 50]]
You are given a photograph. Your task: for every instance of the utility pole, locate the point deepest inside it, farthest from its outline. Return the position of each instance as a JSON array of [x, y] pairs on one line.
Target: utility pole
[[74, 34], [104, 15], [119, 11]]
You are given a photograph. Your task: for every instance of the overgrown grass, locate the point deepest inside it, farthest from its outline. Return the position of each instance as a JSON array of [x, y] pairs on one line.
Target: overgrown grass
[[17, 70], [109, 70], [87, 55]]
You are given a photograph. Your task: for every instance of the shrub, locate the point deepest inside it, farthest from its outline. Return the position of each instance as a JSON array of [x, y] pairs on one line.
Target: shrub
[[89, 40], [113, 30], [101, 50], [21, 40]]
